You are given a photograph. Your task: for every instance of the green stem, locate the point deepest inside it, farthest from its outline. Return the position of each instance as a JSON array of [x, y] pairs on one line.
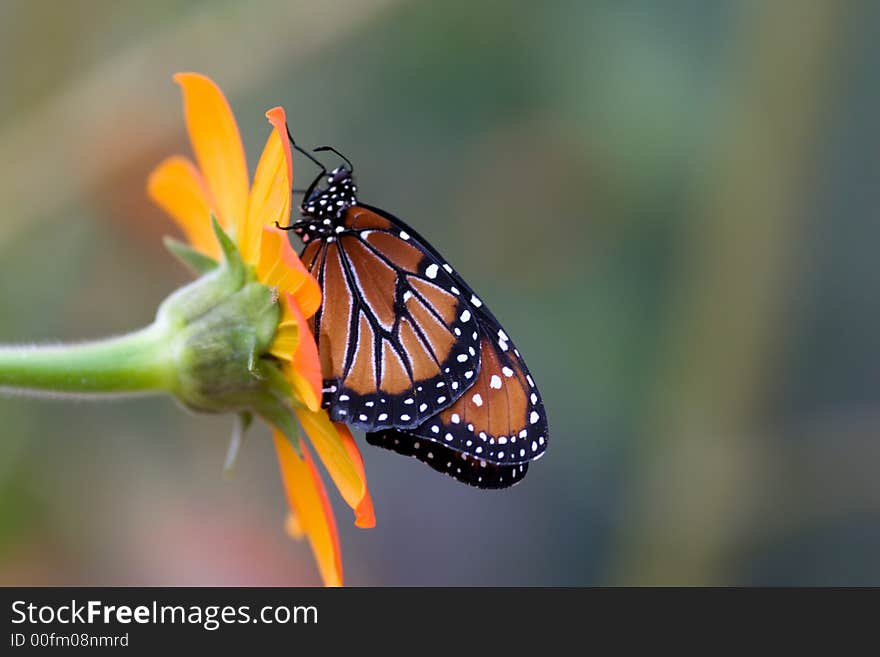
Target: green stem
[[137, 363]]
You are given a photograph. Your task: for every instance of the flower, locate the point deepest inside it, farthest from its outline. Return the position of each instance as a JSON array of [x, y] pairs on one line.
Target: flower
[[218, 186]]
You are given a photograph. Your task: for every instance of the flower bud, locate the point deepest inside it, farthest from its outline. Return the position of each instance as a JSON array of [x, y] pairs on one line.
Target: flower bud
[[217, 354], [218, 329]]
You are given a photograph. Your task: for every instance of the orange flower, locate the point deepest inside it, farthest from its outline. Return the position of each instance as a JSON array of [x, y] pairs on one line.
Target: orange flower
[[219, 186]]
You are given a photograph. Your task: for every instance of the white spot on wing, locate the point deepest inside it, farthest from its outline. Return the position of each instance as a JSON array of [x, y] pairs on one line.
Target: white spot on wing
[[431, 271], [495, 382]]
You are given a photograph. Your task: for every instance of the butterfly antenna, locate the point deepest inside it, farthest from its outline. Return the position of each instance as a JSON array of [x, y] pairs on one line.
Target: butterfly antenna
[[321, 149], [297, 148]]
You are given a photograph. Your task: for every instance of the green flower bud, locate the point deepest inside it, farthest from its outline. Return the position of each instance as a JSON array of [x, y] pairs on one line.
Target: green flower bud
[[220, 325], [217, 353]]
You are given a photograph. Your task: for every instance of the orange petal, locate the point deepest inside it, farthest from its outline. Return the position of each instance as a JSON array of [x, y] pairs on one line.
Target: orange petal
[[217, 145], [308, 501], [278, 266], [177, 187], [302, 388], [285, 342], [278, 119], [286, 339], [334, 455], [305, 361], [308, 293], [269, 199], [364, 515]]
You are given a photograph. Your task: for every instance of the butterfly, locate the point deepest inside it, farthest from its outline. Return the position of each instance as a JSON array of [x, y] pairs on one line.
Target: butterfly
[[408, 350]]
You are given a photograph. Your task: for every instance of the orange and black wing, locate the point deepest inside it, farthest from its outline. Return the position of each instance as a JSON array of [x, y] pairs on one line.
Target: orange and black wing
[[458, 465], [493, 430], [397, 336]]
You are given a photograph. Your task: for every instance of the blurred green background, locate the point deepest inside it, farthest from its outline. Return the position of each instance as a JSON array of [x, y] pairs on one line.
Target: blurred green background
[[671, 205]]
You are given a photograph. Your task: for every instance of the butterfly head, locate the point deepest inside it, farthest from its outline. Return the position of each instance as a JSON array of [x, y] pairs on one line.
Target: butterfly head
[[330, 194], [327, 199]]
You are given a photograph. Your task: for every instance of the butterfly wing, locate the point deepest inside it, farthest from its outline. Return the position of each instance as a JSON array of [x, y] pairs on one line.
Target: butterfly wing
[[499, 423], [459, 466], [397, 337]]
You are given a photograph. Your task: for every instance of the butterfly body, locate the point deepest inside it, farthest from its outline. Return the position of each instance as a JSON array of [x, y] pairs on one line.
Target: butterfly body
[[409, 352], [323, 207]]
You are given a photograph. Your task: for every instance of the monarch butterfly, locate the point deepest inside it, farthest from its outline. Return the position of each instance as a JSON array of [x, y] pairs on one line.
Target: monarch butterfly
[[408, 351]]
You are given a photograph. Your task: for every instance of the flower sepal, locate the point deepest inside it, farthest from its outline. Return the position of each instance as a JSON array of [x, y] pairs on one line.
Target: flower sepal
[[204, 294], [196, 261]]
